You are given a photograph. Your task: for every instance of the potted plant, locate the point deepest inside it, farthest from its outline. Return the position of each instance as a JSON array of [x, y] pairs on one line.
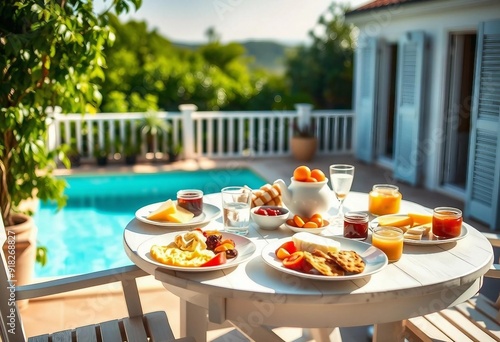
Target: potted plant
[[174, 152], [101, 155], [50, 56], [304, 142], [130, 152], [73, 155], [153, 125]]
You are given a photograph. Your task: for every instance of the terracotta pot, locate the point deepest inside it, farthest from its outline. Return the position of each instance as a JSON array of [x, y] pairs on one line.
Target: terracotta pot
[[303, 148], [20, 251]]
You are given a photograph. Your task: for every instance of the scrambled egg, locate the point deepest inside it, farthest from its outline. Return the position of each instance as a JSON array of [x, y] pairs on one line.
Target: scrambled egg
[[188, 250]]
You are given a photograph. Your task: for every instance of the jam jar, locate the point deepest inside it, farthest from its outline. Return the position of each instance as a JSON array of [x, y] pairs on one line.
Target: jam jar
[[384, 199], [356, 225]]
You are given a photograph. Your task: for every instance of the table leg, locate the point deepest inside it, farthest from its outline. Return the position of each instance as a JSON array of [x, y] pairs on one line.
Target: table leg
[[393, 331], [320, 335], [193, 321], [256, 333]]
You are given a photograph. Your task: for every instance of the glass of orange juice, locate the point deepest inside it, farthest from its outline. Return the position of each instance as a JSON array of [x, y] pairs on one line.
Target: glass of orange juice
[[390, 241], [384, 199]]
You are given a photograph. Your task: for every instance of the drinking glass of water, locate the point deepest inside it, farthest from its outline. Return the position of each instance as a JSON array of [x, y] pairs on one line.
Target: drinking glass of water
[[341, 176], [236, 202]]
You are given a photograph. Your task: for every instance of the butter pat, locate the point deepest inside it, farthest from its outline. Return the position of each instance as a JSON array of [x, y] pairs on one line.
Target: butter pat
[[308, 242], [161, 214]]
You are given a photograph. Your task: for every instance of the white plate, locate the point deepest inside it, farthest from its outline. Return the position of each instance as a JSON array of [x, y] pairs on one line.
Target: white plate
[[210, 212], [375, 259], [428, 239], [245, 247]]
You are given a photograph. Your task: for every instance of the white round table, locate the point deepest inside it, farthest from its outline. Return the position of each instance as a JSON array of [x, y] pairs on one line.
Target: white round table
[[253, 296]]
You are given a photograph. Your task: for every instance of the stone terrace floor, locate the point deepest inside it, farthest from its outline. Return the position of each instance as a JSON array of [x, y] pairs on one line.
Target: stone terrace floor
[[84, 307]]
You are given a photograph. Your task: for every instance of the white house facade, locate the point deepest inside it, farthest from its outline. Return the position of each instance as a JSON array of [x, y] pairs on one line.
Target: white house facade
[[427, 96]]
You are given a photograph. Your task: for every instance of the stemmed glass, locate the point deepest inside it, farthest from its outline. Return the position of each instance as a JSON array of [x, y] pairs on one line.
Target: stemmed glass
[[341, 176]]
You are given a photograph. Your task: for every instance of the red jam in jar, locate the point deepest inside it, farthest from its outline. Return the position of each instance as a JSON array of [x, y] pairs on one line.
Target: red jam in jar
[[446, 222], [191, 200], [356, 225]]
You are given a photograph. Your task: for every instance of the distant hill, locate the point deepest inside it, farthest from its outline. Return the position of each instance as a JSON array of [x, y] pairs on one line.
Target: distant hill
[[266, 54]]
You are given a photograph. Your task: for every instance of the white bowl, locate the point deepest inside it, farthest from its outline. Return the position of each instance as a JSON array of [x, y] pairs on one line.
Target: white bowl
[[308, 230], [269, 222]]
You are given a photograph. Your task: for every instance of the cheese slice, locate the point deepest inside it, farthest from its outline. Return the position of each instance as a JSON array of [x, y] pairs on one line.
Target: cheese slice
[[181, 215], [395, 221], [426, 228], [161, 214], [308, 242], [419, 219], [413, 236]]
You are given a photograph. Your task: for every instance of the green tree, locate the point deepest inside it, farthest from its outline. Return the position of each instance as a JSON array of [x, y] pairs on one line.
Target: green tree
[[214, 76], [323, 72], [51, 55]]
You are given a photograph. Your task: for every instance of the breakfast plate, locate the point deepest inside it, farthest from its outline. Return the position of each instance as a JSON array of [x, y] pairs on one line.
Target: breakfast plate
[[428, 239], [210, 212], [245, 247], [375, 260]]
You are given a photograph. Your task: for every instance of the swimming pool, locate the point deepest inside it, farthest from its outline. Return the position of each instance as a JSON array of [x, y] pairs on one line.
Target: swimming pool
[[86, 235]]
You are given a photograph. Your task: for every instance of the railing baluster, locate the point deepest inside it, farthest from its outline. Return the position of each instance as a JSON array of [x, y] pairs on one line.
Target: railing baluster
[[266, 134], [78, 134]]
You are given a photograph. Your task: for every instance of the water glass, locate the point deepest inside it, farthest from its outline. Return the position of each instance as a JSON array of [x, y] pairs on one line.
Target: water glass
[[446, 222], [390, 240], [236, 201]]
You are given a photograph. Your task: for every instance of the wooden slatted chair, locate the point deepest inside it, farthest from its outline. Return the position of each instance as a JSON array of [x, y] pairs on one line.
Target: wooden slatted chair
[[477, 319], [136, 327]]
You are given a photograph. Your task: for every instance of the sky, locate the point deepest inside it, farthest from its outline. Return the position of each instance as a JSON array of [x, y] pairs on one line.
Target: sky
[[187, 21]]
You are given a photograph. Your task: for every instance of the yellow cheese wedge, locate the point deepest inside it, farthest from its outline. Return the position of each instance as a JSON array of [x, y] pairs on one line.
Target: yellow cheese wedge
[[161, 214], [419, 219], [181, 215], [395, 221]]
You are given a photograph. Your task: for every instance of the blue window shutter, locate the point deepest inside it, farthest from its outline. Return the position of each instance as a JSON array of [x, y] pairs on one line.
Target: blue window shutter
[[483, 177], [366, 78], [409, 107]]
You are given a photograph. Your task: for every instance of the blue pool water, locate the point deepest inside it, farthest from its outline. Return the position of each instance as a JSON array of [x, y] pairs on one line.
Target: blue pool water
[[86, 235]]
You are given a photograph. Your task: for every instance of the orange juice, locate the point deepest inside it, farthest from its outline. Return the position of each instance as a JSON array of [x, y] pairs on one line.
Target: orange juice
[[390, 241], [384, 199]]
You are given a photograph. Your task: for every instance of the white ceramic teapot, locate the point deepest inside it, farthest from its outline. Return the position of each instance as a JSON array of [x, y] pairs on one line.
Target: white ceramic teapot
[[306, 198]]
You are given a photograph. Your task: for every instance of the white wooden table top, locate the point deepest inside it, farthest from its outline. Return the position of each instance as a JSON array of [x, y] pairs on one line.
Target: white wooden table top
[[426, 279]]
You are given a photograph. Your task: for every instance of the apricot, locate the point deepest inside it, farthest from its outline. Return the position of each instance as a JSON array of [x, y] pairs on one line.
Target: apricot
[[302, 173], [310, 224], [318, 175], [318, 219], [299, 221]]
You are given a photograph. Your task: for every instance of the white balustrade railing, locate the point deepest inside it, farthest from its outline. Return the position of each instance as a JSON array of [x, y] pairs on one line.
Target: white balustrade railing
[[222, 134]]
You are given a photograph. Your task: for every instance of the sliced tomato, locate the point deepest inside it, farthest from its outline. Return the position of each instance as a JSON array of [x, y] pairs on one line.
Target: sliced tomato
[[218, 259], [306, 266], [294, 261], [289, 246], [282, 253]]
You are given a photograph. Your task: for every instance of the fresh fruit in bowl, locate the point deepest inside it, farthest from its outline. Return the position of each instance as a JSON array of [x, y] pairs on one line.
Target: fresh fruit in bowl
[[314, 224], [269, 217], [305, 174]]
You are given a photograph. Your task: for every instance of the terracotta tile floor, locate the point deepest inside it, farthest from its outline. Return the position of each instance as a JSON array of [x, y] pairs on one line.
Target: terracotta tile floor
[[77, 309]]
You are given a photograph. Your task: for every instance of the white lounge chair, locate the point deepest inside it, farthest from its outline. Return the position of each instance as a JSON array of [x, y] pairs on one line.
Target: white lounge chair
[[136, 327], [477, 319]]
